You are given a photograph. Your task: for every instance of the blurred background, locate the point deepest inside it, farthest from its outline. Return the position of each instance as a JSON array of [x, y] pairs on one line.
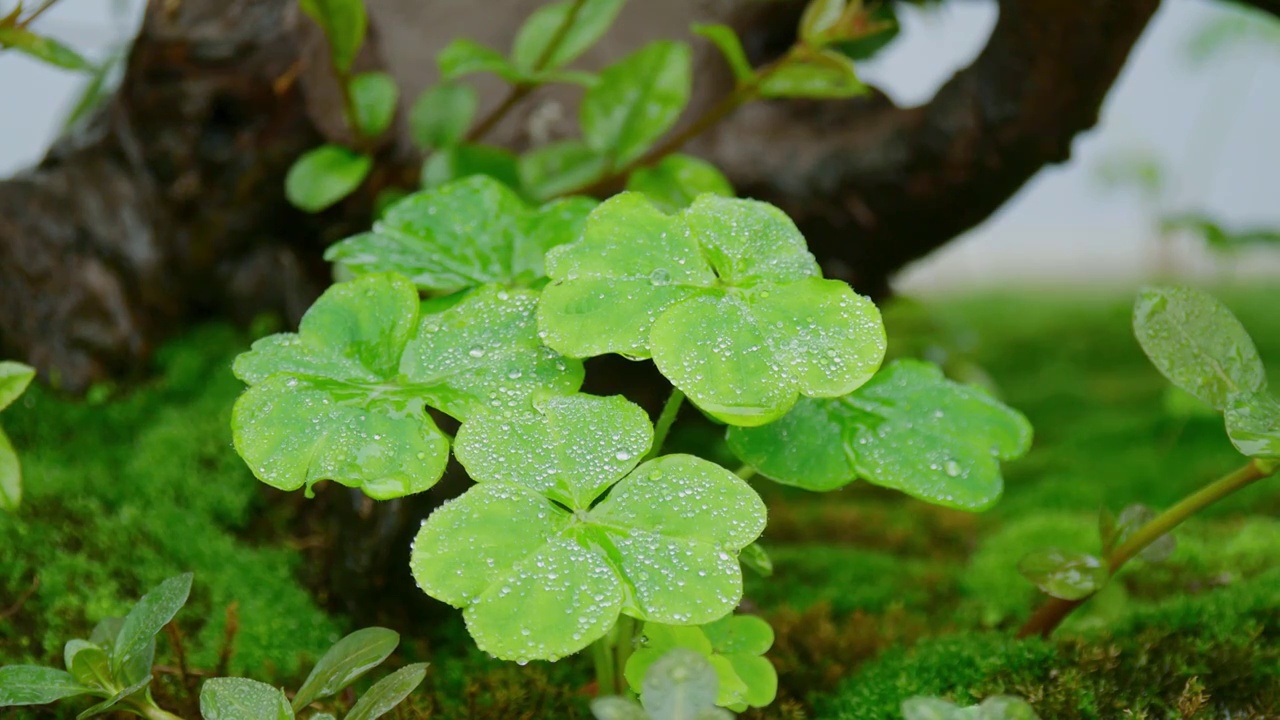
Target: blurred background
[[1189, 129]]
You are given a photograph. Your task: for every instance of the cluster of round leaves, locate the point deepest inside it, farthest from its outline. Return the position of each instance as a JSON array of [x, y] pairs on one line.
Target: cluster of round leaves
[[565, 529], [733, 645]]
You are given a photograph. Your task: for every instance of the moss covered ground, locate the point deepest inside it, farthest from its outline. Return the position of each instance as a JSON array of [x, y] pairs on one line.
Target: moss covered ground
[[875, 597]]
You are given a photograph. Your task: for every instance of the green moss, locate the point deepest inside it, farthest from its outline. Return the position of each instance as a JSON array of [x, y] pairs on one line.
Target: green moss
[[124, 493], [1190, 656], [847, 579]]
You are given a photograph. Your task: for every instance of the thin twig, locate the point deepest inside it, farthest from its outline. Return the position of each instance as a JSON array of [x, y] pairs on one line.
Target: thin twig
[[179, 650], [23, 23], [522, 90], [22, 599], [229, 638]]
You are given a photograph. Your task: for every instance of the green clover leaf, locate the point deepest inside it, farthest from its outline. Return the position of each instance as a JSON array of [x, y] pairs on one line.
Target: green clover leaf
[[910, 429], [734, 645], [723, 296], [463, 234], [345, 398], [563, 532]]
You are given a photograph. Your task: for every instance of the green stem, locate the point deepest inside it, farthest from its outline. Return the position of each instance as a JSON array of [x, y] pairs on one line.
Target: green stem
[[665, 419], [603, 659], [521, 90], [1051, 614], [746, 91], [624, 637], [151, 712], [746, 472]]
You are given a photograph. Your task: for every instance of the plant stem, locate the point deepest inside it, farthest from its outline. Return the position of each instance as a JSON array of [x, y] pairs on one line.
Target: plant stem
[[603, 659], [1047, 618], [745, 92], [665, 419], [151, 711], [522, 90], [25, 22], [746, 472]]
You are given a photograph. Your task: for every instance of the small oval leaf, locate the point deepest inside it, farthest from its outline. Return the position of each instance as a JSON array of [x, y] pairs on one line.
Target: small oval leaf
[[1253, 424], [349, 658], [374, 96], [636, 101], [323, 176], [33, 685], [441, 115], [1063, 574], [136, 638], [1198, 344], [388, 692], [242, 699]]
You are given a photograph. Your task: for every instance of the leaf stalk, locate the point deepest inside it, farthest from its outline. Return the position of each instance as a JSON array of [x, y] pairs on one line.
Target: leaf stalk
[[1050, 615]]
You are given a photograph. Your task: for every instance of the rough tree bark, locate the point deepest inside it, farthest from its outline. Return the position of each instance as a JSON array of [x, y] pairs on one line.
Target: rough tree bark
[[168, 204]]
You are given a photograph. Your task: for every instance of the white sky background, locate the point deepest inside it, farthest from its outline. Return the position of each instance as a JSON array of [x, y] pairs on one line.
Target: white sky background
[[1064, 226]]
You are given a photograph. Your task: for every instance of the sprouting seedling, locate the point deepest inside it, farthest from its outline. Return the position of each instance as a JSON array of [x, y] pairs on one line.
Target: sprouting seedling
[[14, 378], [999, 707], [1201, 347], [724, 296], [909, 429], [681, 685], [347, 661], [462, 235], [564, 533], [734, 646], [345, 398], [113, 665]]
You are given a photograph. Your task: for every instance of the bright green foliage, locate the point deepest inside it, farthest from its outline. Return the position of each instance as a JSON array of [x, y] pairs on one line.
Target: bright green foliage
[[1198, 344], [730, 46], [344, 398], [1219, 237], [1000, 707], [637, 100], [677, 180], [560, 167], [734, 645], [344, 23], [1063, 574], [323, 176], [813, 74], [461, 161], [14, 378], [682, 685], [909, 429], [543, 566], [1253, 424], [552, 37], [134, 645], [345, 662], [388, 692], [755, 558], [441, 115], [713, 294], [463, 234], [41, 48], [464, 57], [114, 664], [242, 699], [31, 685], [820, 17], [374, 96]]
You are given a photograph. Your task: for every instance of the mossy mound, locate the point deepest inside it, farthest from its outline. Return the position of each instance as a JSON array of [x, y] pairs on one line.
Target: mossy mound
[[122, 494]]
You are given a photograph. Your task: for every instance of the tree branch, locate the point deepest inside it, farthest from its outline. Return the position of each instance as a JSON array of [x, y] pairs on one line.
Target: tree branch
[[875, 186]]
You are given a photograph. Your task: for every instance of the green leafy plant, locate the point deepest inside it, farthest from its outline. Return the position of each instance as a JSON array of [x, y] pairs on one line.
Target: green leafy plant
[[16, 34], [481, 295], [14, 378], [680, 685], [1200, 347], [115, 666]]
